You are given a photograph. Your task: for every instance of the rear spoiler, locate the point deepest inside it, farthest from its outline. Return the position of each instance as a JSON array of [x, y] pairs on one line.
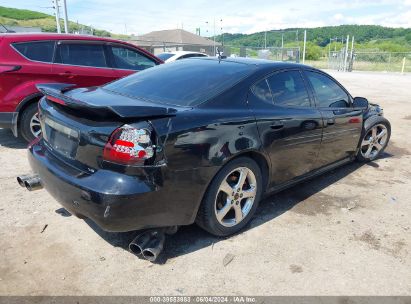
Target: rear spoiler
[[54, 92]]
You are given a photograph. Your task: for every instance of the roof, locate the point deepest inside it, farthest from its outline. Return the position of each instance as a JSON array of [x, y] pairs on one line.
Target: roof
[[20, 29], [256, 62], [44, 36], [182, 52], [177, 36]]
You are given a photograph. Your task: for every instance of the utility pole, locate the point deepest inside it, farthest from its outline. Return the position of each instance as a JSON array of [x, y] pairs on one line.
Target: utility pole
[[265, 40], [214, 39], [305, 41], [352, 53], [222, 33], [57, 13], [346, 53], [65, 17]]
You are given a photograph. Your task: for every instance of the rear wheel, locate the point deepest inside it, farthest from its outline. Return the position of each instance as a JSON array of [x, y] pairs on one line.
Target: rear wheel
[[375, 138], [232, 198], [29, 123]]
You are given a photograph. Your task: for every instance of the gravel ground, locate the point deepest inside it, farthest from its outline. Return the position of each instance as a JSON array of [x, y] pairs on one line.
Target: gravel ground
[[345, 233]]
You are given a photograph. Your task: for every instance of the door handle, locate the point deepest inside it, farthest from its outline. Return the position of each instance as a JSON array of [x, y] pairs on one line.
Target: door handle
[[67, 73]]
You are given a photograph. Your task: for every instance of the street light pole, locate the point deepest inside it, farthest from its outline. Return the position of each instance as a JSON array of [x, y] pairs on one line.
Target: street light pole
[[214, 39], [65, 17], [305, 41], [57, 13]]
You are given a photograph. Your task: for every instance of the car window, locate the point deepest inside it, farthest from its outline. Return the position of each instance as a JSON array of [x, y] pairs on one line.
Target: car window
[[36, 50], [82, 54], [190, 56], [328, 93], [262, 91], [165, 56], [125, 58], [288, 89], [183, 83]]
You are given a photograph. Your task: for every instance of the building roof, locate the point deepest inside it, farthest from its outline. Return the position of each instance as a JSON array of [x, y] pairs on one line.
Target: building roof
[[177, 36], [20, 29]]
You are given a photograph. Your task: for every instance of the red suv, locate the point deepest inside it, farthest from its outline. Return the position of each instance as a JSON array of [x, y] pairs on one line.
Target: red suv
[[29, 59]]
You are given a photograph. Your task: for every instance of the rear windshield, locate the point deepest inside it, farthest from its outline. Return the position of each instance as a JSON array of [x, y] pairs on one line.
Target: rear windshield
[[165, 56], [183, 83]]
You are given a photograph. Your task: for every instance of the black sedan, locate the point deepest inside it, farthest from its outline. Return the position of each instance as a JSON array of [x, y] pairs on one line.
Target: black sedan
[[200, 140]]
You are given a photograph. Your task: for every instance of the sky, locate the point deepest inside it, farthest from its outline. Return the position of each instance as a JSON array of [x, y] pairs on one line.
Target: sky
[[239, 16]]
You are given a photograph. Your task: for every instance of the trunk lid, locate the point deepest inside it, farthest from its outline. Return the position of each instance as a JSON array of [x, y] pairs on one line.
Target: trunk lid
[[77, 124], [104, 104]]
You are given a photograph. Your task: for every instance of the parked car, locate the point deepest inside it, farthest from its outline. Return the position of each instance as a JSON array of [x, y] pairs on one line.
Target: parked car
[[84, 61], [201, 140], [178, 55]]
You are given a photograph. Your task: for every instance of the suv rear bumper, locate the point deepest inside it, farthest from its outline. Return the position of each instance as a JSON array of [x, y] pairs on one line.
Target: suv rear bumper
[[115, 201], [8, 120]]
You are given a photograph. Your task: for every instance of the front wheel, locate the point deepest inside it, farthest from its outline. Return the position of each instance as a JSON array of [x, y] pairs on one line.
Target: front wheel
[[375, 138], [232, 198]]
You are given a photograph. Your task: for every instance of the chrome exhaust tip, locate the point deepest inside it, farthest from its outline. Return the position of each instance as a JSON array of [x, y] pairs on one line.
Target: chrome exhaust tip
[[138, 244], [33, 184], [22, 178], [154, 247]]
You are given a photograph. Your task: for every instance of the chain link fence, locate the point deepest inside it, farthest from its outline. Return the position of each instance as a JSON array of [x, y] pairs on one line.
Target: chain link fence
[[382, 61], [351, 60], [365, 61], [271, 53]]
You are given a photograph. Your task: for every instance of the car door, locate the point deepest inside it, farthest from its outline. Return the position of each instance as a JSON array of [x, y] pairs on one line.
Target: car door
[[83, 63], [342, 123], [290, 126], [127, 61]]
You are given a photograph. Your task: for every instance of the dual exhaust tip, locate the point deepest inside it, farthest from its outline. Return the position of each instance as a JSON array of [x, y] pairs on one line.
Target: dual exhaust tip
[[148, 244], [30, 182]]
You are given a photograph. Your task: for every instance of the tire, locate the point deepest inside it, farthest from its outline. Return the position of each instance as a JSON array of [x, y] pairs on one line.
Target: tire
[[26, 128], [235, 210], [374, 138]]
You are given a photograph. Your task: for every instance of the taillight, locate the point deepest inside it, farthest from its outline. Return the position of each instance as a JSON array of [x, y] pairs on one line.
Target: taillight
[[9, 68], [128, 145]]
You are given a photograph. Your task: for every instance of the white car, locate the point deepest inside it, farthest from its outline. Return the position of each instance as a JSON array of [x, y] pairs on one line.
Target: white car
[[177, 55]]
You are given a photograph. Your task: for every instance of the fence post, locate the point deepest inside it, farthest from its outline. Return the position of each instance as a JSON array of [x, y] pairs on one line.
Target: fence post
[[403, 66]]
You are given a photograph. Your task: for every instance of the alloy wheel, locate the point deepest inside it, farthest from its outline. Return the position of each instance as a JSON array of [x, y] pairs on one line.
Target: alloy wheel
[[374, 141], [235, 196], [35, 126]]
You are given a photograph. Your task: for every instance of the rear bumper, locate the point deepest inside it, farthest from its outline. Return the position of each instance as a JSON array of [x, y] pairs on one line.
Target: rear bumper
[[115, 201], [8, 120]]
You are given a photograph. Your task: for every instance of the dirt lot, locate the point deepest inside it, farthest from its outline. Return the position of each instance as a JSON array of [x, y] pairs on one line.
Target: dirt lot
[[346, 233]]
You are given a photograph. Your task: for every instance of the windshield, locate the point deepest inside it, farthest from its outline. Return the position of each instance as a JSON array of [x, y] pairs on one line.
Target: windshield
[[182, 83], [165, 56]]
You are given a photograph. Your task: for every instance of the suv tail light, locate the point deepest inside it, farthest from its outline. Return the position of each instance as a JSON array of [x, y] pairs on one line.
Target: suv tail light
[[128, 145], [9, 68]]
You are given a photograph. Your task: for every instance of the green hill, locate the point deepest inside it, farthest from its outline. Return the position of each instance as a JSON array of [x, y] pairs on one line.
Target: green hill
[[377, 38], [22, 17]]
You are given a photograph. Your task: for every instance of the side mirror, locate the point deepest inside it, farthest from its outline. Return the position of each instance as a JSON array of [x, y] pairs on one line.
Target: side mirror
[[360, 102]]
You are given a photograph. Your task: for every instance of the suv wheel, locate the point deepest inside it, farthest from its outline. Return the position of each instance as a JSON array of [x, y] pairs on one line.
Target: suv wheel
[[30, 123]]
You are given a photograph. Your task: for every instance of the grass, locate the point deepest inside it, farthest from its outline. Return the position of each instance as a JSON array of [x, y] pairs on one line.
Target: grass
[[21, 14]]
